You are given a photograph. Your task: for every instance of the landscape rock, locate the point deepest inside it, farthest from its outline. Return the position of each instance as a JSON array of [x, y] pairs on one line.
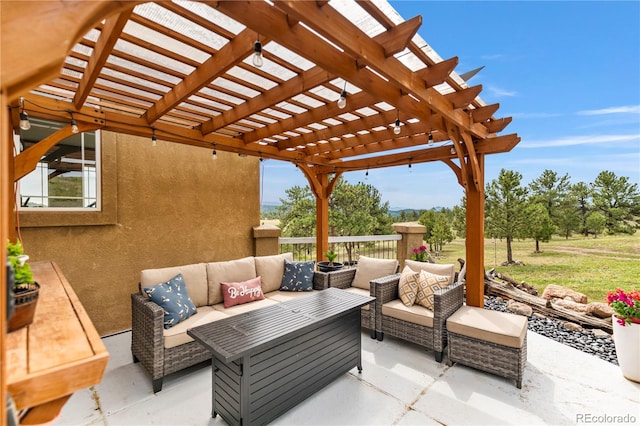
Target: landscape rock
[[572, 326], [599, 310], [519, 308], [570, 304], [600, 333], [553, 291]]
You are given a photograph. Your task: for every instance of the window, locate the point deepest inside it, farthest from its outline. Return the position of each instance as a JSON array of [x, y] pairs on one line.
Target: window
[[67, 177]]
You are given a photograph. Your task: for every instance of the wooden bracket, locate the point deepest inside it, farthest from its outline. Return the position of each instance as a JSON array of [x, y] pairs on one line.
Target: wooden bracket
[[437, 73]]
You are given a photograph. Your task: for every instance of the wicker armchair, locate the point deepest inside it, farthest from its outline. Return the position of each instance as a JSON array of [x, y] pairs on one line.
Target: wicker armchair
[[447, 301]]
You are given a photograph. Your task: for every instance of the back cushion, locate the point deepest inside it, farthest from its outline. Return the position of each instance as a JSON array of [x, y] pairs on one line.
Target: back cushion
[[271, 269], [194, 275], [231, 271], [370, 268], [446, 269]]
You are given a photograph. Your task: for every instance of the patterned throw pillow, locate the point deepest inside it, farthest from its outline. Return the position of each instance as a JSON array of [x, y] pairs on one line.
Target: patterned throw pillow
[[172, 296], [408, 286], [428, 284], [298, 276], [243, 292]]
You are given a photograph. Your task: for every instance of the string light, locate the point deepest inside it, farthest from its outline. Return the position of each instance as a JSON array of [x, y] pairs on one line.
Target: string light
[[154, 139], [214, 155], [25, 124], [342, 101], [453, 151], [257, 54], [396, 128], [366, 175], [430, 141], [74, 124]]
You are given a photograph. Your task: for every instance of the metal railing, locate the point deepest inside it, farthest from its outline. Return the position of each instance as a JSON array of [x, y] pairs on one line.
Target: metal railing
[[347, 248]]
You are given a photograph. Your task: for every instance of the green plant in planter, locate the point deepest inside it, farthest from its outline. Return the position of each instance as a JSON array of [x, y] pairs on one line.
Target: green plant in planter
[[22, 270], [331, 255]]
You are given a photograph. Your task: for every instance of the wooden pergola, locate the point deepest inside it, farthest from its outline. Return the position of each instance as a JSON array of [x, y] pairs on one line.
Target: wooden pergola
[[184, 72]]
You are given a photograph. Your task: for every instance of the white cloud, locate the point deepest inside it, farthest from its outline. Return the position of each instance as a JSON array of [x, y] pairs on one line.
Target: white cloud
[[498, 92], [633, 109], [535, 115], [580, 140]]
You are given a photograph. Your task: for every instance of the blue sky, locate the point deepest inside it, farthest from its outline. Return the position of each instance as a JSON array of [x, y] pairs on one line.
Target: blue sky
[[567, 72]]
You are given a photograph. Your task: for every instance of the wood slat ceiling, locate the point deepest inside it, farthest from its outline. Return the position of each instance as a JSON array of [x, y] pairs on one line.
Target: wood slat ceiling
[[183, 71]]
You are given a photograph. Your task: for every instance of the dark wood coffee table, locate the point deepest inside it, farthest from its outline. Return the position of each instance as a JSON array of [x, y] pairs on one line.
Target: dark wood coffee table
[[268, 360]]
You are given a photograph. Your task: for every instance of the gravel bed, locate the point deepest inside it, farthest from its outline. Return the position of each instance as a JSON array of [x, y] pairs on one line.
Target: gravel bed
[[585, 341]]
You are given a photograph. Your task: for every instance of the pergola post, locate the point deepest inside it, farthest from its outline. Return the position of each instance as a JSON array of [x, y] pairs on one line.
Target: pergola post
[[475, 240], [322, 217]]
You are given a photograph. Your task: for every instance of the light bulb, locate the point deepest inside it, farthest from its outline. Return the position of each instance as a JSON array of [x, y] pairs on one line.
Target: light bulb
[[74, 126], [214, 155], [410, 170], [430, 141], [342, 102], [257, 54], [396, 128], [366, 175], [154, 140], [25, 124], [453, 151]]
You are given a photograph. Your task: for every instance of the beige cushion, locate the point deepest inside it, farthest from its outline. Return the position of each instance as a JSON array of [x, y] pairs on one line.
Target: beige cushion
[[501, 328], [195, 278], [271, 269], [245, 307], [370, 268], [408, 286], [428, 284], [231, 271], [283, 296], [361, 292], [177, 335], [415, 314], [446, 269]]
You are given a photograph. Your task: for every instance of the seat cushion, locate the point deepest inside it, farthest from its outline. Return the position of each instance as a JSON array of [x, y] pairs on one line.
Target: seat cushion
[[177, 335], [195, 278], [230, 271], [370, 268], [501, 328], [446, 269], [245, 307], [271, 269], [283, 296], [415, 314]]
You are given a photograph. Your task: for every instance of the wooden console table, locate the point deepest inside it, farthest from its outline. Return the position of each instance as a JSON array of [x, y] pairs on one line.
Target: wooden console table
[[58, 354]]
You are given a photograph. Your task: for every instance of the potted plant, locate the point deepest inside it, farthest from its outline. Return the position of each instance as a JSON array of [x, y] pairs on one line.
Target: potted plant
[[25, 289], [331, 265], [421, 254], [626, 330]]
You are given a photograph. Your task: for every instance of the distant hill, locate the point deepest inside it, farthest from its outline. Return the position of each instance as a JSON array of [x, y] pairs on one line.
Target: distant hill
[[395, 212]]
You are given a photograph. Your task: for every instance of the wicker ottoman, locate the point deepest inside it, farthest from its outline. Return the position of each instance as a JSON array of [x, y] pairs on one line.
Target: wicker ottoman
[[491, 341]]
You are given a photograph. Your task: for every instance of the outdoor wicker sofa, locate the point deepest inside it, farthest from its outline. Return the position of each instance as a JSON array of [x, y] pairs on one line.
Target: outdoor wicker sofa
[[163, 351], [417, 324]]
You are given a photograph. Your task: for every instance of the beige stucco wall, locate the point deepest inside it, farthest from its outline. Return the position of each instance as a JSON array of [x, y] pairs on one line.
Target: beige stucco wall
[[174, 205]]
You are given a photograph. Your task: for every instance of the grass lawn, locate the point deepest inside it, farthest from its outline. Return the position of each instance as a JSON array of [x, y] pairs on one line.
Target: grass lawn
[[591, 266]]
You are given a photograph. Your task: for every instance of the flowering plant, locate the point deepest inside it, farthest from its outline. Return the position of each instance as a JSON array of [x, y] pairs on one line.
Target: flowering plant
[[625, 305], [420, 254]]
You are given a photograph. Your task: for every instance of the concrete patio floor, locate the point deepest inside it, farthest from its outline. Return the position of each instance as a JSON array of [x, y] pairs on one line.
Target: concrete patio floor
[[400, 384]]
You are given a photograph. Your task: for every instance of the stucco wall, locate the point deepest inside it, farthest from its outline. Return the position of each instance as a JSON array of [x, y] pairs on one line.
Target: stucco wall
[[175, 205]]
